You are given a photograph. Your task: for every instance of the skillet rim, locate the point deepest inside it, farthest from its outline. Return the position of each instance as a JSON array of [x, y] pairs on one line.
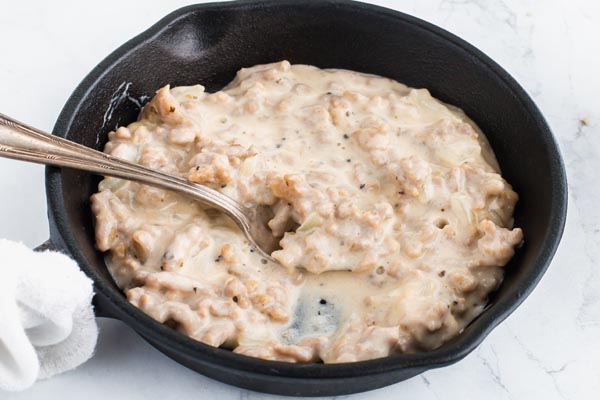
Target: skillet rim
[[151, 330]]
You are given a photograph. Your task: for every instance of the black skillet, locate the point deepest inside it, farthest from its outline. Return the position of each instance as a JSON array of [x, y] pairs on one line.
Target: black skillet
[[206, 44]]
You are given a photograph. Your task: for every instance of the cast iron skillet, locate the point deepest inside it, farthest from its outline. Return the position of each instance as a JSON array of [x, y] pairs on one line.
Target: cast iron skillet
[[206, 44]]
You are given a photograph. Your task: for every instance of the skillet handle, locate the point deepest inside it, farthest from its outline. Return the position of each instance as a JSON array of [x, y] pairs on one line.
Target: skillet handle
[[47, 245], [99, 309]]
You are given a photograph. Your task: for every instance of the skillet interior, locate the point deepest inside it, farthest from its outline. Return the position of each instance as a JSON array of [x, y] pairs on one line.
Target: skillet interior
[[206, 44]]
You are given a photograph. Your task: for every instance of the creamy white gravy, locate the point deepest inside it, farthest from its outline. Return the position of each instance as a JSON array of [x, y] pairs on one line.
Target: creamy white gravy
[[395, 220]]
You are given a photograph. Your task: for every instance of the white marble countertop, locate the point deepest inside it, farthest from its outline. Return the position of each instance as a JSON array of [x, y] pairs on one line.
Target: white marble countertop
[[548, 349]]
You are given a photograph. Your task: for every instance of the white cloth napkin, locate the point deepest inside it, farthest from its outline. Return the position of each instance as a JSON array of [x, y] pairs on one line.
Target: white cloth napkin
[[47, 323]]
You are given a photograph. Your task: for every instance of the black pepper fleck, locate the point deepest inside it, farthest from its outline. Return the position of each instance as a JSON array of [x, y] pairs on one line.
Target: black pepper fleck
[[219, 258], [349, 160], [362, 186], [346, 136], [195, 289], [401, 193], [347, 113], [263, 260], [223, 186], [322, 301], [442, 273], [235, 299], [278, 145]]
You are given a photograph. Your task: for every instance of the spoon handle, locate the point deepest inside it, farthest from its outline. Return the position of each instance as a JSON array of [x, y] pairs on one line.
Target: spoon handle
[[22, 142]]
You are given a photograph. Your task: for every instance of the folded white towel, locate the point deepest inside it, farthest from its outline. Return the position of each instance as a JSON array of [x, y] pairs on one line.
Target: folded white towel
[[47, 323]]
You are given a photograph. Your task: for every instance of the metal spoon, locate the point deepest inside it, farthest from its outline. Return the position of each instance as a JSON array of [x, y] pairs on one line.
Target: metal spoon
[[21, 142]]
